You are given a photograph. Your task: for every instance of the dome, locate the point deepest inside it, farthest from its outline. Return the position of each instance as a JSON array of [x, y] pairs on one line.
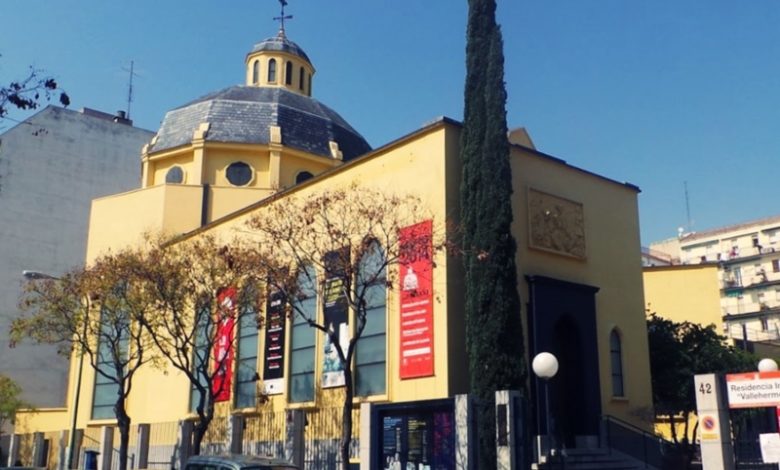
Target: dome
[[280, 43], [243, 114]]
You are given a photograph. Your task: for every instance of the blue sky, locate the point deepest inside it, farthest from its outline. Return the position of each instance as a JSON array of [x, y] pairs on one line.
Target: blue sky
[[655, 93]]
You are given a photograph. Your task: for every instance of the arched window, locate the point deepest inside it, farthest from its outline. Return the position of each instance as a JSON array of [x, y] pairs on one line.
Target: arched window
[[302, 338], [256, 72], [303, 176], [309, 90], [272, 71], [288, 73], [616, 358], [371, 352], [301, 76]]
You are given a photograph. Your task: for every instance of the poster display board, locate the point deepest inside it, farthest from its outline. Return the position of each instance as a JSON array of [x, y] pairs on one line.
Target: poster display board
[[227, 301], [273, 364], [416, 309], [335, 313], [417, 435]]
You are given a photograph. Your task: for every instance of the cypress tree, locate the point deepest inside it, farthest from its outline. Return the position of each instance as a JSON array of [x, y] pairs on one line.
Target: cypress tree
[[494, 337]]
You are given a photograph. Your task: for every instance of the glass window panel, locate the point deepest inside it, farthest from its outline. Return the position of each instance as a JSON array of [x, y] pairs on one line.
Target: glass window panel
[[245, 395], [302, 360], [105, 394], [247, 346], [375, 322], [302, 336], [246, 370], [302, 388], [103, 412], [371, 349], [370, 380]]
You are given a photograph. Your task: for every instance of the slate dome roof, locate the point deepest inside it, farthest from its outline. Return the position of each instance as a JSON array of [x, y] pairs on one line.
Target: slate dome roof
[[280, 43], [243, 114]]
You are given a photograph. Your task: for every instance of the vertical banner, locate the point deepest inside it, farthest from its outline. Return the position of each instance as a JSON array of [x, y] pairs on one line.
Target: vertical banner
[[273, 370], [416, 278], [223, 343], [336, 317]]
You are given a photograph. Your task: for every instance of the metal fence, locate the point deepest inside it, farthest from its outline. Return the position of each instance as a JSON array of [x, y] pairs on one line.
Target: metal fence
[[262, 434]]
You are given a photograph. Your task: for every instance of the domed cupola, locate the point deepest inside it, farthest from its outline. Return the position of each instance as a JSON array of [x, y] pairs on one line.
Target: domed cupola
[[279, 62]]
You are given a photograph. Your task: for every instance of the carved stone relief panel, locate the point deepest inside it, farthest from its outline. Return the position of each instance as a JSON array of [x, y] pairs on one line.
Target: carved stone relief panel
[[556, 224]]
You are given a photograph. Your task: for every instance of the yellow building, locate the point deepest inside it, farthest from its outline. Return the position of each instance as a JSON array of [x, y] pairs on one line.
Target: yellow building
[[215, 162]]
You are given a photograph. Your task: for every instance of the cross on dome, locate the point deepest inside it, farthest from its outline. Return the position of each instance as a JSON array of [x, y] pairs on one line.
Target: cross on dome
[[282, 17]]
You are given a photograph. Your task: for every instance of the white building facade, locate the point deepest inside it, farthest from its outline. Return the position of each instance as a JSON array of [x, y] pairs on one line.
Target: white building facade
[[51, 167], [748, 256]]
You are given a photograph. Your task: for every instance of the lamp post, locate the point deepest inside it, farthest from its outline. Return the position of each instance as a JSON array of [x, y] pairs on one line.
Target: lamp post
[[545, 366], [37, 276], [770, 365]]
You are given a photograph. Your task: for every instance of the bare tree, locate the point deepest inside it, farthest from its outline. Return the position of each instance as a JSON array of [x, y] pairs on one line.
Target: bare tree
[[201, 289], [342, 247], [30, 91], [93, 312]]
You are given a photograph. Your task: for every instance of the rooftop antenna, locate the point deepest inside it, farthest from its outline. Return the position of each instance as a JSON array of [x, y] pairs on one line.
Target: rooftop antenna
[[282, 17], [130, 86], [687, 207]]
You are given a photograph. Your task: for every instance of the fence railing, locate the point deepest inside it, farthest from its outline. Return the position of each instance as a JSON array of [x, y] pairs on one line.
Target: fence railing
[[634, 442]]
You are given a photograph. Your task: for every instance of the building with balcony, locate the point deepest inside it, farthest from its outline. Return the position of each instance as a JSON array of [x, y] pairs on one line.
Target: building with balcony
[[747, 257]]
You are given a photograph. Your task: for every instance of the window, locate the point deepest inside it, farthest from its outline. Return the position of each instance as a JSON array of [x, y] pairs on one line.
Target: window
[[615, 354], [302, 339], [272, 71], [175, 175], [776, 265], [371, 352], [300, 79], [239, 174], [309, 91], [256, 72], [200, 356], [246, 377], [106, 388], [303, 176], [764, 323], [288, 73]]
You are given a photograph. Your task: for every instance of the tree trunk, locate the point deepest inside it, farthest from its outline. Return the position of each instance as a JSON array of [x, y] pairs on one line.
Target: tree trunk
[[346, 418], [205, 417], [123, 424]]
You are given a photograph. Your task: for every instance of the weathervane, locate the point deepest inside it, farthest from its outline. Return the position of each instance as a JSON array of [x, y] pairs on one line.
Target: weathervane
[[282, 17]]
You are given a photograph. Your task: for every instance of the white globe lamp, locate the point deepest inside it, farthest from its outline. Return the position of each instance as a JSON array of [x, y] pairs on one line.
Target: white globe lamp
[[767, 365], [545, 365]]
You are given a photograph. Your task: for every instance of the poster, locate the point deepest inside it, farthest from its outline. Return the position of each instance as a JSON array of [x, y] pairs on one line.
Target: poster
[[273, 370], [335, 313], [223, 343], [416, 279], [422, 439]]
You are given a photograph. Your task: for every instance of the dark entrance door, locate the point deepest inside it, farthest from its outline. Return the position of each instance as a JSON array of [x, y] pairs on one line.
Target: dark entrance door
[[562, 320]]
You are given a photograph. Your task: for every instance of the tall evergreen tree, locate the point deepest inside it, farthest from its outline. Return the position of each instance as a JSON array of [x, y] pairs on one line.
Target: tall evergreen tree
[[494, 336]]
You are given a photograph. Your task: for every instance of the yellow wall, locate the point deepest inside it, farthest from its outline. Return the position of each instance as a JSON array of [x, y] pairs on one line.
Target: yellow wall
[[684, 293]]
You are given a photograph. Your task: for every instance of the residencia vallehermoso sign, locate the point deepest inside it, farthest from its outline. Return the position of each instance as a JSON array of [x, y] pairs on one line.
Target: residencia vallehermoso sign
[[753, 389]]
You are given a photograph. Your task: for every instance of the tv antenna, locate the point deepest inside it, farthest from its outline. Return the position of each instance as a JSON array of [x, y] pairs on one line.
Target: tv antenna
[[130, 85]]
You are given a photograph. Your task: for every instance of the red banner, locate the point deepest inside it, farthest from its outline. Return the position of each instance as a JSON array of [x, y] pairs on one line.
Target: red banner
[[416, 279], [223, 344]]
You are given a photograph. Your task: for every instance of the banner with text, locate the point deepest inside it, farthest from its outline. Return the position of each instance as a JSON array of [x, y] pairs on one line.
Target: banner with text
[[336, 317], [753, 389], [416, 279], [273, 372], [227, 300]]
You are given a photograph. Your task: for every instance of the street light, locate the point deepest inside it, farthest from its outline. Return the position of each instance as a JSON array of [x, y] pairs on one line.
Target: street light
[[38, 276], [545, 366], [767, 365]]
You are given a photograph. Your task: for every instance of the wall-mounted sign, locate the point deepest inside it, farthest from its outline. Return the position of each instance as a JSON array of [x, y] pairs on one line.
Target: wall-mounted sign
[[273, 370], [419, 437], [336, 318], [753, 389], [416, 312], [227, 300]]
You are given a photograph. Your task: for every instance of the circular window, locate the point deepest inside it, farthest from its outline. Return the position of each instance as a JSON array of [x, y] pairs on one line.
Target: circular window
[[175, 175], [239, 174]]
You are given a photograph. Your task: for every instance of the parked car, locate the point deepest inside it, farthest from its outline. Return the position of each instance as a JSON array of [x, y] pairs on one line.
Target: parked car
[[237, 462]]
